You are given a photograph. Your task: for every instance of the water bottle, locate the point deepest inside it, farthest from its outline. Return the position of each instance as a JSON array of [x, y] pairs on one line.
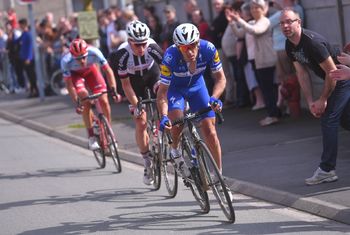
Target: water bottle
[[95, 128], [194, 160]]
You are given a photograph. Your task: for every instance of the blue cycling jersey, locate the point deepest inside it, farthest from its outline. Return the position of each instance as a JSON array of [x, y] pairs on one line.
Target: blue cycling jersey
[[174, 69], [187, 86]]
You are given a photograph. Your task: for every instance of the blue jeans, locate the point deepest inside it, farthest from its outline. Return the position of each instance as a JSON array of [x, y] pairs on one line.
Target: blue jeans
[[337, 112]]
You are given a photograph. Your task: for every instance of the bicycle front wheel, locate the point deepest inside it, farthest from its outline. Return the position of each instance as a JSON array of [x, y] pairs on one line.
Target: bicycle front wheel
[[168, 168], [99, 153], [111, 144], [197, 182], [156, 166], [216, 182]]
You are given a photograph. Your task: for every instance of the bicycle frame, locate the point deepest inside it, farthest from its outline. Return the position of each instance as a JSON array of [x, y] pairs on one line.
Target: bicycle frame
[[105, 135], [97, 116], [192, 141]]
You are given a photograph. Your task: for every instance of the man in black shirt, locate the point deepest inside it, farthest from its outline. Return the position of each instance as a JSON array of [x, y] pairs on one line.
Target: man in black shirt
[[309, 49]]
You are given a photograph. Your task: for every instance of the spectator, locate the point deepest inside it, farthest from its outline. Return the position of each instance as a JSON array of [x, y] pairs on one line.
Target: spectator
[[102, 32], [149, 11], [202, 24], [289, 89], [204, 31], [153, 22], [118, 35], [49, 17], [15, 62], [232, 48], [26, 54], [309, 49], [166, 37], [265, 56], [190, 6], [217, 30], [74, 28], [3, 40], [12, 18], [155, 27], [111, 28], [343, 71], [247, 56]]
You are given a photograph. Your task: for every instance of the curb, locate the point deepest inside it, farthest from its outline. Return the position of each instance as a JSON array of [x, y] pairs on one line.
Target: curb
[[308, 204]]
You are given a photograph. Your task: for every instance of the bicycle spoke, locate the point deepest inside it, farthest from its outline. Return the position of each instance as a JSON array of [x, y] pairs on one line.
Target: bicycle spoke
[[99, 155], [111, 145], [168, 169], [216, 182], [197, 184]]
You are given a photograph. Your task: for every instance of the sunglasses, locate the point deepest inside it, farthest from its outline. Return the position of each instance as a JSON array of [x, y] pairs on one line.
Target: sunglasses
[[140, 44], [81, 57], [185, 48]]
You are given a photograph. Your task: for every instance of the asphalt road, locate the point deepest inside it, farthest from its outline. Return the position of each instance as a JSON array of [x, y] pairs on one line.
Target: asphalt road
[[52, 187]]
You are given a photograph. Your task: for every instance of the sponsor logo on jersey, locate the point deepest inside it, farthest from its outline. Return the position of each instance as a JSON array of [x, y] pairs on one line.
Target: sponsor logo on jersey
[[216, 57], [164, 70], [172, 99], [122, 59], [211, 46], [168, 58]]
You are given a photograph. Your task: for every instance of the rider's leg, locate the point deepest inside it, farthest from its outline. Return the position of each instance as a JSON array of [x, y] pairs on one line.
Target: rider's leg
[[142, 140], [211, 139], [175, 130], [86, 114], [105, 106], [141, 136]]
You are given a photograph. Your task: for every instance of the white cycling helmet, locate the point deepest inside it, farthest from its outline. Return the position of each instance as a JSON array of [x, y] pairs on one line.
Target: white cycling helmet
[[137, 31], [185, 34]]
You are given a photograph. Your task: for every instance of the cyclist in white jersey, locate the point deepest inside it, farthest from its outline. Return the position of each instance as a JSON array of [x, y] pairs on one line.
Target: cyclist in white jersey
[[81, 74], [136, 63]]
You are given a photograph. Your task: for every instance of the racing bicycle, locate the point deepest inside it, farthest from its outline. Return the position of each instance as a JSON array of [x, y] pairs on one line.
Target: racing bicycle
[[104, 134], [157, 148], [204, 172]]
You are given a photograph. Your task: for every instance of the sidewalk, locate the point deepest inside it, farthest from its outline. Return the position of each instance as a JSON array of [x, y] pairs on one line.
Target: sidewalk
[[269, 163]]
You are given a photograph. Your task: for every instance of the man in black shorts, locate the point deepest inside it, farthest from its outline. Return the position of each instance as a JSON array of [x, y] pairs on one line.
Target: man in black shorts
[[309, 49], [136, 63]]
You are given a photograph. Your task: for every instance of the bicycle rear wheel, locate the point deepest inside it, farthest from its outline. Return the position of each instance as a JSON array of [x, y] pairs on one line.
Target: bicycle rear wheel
[[168, 168], [57, 83], [215, 180], [111, 144], [99, 153], [157, 179], [196, 183]]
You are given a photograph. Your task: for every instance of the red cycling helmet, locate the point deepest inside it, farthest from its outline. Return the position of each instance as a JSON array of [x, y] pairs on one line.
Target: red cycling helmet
[[78, 47]]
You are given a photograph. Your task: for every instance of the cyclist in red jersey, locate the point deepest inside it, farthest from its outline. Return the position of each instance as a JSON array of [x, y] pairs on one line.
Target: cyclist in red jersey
[[81, 74]]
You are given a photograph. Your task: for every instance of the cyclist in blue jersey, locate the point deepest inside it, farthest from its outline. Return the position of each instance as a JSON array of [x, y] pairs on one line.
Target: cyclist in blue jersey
[[182, 80]]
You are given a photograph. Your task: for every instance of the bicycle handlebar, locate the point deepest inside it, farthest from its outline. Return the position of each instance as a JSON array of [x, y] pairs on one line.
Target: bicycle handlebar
[[191, 116], [95, 96]]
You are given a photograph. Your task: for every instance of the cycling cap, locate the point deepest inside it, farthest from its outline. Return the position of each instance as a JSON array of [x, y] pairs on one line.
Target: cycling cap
[[185, 34], [138, 31], [78, 47]]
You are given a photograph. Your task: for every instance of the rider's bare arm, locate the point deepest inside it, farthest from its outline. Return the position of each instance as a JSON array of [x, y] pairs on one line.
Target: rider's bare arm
[[129, 91], [162, 100], [220, 83], [110, 77], [71, 89]]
